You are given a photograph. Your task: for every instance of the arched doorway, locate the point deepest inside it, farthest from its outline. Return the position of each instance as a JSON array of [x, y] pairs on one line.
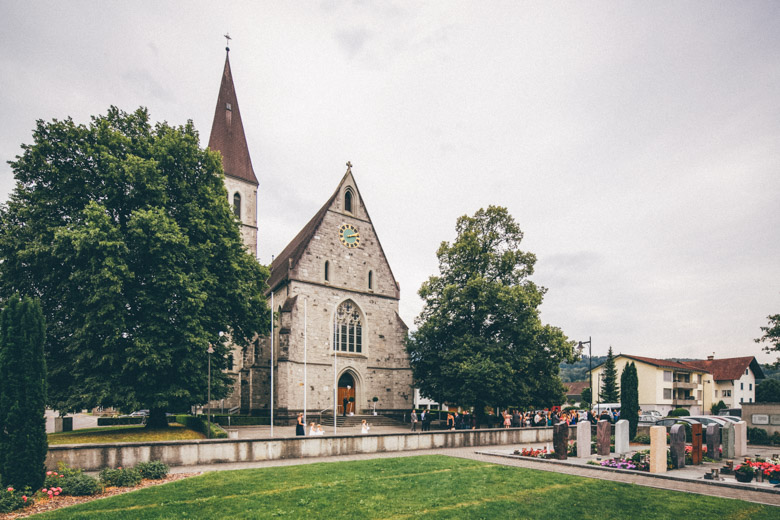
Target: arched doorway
[[347, 401]]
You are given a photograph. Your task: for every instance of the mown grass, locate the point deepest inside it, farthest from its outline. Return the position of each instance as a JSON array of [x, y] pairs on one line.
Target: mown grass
[[132, 433], [408, 487]]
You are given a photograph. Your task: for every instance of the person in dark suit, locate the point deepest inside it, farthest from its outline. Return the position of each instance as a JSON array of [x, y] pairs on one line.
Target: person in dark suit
[[344, 403]]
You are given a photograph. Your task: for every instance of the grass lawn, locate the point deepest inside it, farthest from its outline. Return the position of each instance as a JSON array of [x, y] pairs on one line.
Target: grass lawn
[[132, 433], [409, 487]]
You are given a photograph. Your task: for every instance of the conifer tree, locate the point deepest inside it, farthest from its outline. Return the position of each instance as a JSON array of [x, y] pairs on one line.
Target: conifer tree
[[629, 398], [609, 386], [23, 443]]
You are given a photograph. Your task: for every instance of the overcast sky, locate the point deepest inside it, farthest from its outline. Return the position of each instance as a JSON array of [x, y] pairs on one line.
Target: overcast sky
[[637, 144]]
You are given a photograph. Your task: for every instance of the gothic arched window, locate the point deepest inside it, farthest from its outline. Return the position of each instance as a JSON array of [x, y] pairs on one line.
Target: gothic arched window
[[237, 205], [348, 200], [348, 335]]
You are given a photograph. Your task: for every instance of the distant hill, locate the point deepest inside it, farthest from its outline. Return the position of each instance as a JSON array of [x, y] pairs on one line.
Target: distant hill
[[579, 371]]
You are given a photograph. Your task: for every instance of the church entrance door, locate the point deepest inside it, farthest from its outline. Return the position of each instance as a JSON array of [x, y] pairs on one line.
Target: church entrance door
[[346, 394]]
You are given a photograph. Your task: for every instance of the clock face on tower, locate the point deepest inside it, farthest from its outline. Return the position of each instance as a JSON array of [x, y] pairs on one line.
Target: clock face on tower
[[349, 236]]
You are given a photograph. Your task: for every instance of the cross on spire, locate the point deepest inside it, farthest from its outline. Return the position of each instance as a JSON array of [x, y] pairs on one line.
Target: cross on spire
[[227, 41], [349, 166]]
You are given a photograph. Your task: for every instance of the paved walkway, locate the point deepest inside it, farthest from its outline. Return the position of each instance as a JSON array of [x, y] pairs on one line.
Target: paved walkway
[[689, 480]]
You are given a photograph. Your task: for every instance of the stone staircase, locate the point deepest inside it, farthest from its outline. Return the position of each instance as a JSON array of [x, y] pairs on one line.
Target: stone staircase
[[356, 420]]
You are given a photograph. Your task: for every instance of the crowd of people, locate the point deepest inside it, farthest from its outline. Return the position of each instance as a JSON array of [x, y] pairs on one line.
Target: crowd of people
[[517, 419]]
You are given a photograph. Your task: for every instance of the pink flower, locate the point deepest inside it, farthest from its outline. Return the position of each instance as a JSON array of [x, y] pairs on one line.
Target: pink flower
[[24, 497], [48, 472], [120, 467], [44, 490], [10, 490], [62, 476], [56, 493]]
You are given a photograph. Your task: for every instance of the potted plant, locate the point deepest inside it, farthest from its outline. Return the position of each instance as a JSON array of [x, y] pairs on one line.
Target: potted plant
[[773, 474], [375, 399], [351, 406], [744, 472]]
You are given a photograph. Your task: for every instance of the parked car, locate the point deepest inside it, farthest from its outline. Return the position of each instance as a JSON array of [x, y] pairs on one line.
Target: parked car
[[652, 413], [668, 422], [735, 412], [140, 413], [708, 419], [647, 420], [731, 418]]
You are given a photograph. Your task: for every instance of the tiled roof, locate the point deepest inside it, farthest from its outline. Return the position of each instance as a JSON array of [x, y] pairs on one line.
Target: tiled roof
[[728, 369], [576, 387], [227, 132], [665, 363]]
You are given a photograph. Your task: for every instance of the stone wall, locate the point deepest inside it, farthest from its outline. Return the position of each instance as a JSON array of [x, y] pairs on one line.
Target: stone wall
[[94, 457]]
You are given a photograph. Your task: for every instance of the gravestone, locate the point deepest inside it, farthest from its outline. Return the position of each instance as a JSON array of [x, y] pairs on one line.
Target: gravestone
[[603, 434], [727, 441], [657, 449], [740, 439], [696, 454], [677, 446], [713, 441], [583, 439], [561, 440], [621, 437]]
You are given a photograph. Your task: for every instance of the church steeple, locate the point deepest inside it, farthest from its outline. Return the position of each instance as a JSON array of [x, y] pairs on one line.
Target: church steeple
[[227, 130]]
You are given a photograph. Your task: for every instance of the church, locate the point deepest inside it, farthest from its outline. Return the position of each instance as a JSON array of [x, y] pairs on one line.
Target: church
[[337, 334]]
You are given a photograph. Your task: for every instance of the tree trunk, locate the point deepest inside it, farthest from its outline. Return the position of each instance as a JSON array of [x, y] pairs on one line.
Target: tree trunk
[[157, 418]]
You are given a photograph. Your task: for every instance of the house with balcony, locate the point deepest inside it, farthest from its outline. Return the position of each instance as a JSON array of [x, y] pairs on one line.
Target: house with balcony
[[695, 385], [735, 379]]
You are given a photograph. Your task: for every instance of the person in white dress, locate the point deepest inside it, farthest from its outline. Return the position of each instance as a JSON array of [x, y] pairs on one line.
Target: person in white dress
[[364, 427]]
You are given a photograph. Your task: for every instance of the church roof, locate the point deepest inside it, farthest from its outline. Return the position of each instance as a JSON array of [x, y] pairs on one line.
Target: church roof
[[227, 131], [289, 257]]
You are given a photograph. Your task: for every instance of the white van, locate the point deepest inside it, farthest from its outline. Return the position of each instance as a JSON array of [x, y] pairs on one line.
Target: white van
[[610, 407]]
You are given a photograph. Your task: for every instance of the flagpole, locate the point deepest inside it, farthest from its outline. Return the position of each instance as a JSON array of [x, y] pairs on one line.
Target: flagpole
[[335, 382], [272, 364], [305, 385]]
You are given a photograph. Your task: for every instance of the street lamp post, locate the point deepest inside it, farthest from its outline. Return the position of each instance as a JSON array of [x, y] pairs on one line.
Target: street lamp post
[[581, 347], [208, 430]]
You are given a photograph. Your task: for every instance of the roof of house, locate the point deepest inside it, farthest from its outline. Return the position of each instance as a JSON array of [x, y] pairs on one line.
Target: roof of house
[[576, 387], [227, 131], [664, 363], [728, 369]]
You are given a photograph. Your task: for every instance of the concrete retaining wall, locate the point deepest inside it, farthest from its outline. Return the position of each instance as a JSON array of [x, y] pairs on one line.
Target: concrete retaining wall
[[93, 457]]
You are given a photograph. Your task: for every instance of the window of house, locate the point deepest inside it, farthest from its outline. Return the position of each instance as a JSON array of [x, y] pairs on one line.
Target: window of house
[[716, 393], [327, 271], [746, 371], [698, 395], [237, 205], [348, 334], [348, 200], [741, 400], [727, 393], [742, 386], [667, 375], [370, 280], [667, 393], [751, 386], [698, 378]]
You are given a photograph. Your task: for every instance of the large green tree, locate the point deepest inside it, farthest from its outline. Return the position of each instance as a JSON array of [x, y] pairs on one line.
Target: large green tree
[[480, 339], [23, 443], [768, 391], [609, 392], [629, 397], [123, 231], [771, 336]]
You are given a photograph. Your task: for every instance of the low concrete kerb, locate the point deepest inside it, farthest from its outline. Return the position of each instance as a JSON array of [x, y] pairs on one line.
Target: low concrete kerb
[[661, 476]]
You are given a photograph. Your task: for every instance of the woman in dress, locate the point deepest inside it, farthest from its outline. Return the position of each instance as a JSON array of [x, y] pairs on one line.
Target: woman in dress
[[300, 426], [364, 427]]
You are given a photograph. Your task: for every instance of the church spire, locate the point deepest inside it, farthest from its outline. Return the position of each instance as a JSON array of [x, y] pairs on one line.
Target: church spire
[[227, 130]]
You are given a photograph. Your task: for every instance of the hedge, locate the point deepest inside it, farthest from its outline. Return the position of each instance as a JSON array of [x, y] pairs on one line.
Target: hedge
[[200, 424], [240, 420]]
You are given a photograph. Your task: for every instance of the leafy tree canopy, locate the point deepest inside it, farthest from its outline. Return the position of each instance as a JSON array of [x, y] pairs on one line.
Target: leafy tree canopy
[[124, 233], [480, 339], [771, 336], [629, 397], [768, 391]]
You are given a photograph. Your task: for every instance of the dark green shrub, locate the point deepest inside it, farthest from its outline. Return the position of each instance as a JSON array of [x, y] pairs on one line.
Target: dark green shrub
[[23, 442], [240, 420], [80, 485], [200, 424], [13, 500], [120, 477], [154, 470], [757, 436], [679, 412], [642, 439]]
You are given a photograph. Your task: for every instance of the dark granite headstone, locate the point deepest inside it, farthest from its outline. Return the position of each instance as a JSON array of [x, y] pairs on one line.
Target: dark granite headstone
[[603, 434], [696, 454], [713, 441], [677, 446], [561, 440]]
